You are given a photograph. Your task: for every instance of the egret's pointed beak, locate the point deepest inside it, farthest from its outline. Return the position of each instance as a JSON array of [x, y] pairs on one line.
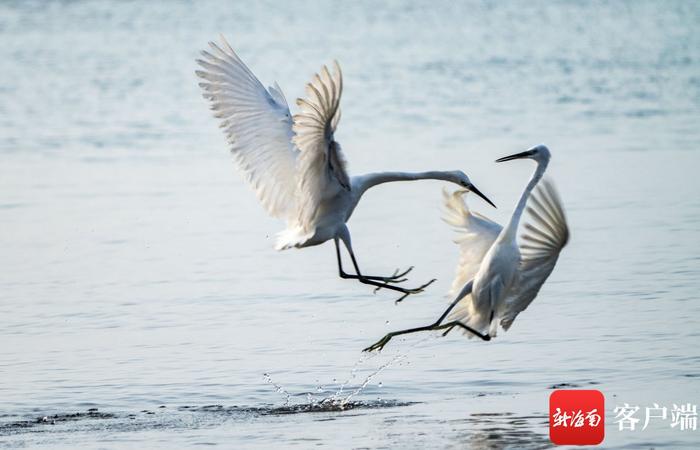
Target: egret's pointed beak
[[524, 154], [478, 192]]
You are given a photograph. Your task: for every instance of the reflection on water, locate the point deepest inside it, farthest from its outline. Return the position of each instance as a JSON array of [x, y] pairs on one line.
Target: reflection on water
[[137, 270], [497, 431]]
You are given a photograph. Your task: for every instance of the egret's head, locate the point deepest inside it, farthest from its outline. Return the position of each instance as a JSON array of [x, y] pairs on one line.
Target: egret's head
[[462, 179], [539, 153]]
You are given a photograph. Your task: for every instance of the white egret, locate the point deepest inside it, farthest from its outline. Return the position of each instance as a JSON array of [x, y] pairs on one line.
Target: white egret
[[498, 277], [294, 164]]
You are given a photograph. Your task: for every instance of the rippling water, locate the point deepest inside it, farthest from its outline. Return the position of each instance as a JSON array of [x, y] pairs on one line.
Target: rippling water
[[142, 303]]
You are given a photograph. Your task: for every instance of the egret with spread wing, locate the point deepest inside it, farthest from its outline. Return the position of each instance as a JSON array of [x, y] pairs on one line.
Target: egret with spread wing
[[498, 277], [294, 164]]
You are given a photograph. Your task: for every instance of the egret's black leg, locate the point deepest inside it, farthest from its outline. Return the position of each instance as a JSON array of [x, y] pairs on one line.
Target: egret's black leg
[[435, 326], [373, 281], [447, 331], [449, 325], [456, 323], [406, 292], [395, 278], [467, 289], [385, 340]]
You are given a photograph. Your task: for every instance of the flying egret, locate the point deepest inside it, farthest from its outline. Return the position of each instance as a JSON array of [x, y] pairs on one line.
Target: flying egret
[[498, 277], [294, 164]]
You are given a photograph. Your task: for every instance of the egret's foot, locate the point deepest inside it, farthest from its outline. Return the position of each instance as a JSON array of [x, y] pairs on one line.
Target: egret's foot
[[417, 290], [396, 277], [409, 291], [379, 345], [385, 285], [400, 299]]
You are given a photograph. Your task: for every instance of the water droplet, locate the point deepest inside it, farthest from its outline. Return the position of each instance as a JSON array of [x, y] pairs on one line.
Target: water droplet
[[334, 380], [319, 389], [386, 323], [380, 384]]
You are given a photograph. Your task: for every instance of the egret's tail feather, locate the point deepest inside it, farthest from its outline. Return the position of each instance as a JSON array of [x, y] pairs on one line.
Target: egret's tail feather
[[291, 237]]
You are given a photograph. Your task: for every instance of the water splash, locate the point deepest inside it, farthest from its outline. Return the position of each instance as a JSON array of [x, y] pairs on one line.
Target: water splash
[[398, 357], [279, 389], [353, 372], [336, 401], [339, 400]]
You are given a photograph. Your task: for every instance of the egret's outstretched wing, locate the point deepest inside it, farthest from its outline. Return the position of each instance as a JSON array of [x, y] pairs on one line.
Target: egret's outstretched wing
[[256, 122], [475, 235], [545, 234], [321, 165]]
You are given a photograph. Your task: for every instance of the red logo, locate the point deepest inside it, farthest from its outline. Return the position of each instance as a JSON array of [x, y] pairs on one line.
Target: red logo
[[576, 417]]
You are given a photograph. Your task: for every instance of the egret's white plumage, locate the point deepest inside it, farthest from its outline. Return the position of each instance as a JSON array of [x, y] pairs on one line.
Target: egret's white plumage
[[475, 235], [257, 124], [321, 164], [537, 249], [498, 274], [294, 164], [540, 244]]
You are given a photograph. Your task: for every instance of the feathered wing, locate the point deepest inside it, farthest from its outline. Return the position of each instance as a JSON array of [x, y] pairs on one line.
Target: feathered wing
[[257, 124], [544, 235], [475, 235], [321, 166]]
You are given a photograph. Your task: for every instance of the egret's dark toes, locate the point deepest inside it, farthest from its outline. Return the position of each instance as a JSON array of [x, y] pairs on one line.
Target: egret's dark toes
[[417, 290], [428, 284], [400, 299], [404, 273], [422, 287], [376, 346]]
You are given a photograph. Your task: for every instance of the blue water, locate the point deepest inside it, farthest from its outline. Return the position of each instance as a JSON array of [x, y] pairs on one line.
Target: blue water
[[137, 274]]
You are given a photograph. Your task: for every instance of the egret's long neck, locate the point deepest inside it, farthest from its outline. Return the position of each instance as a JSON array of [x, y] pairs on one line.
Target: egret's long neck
[[512, 226], [364, 182]]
